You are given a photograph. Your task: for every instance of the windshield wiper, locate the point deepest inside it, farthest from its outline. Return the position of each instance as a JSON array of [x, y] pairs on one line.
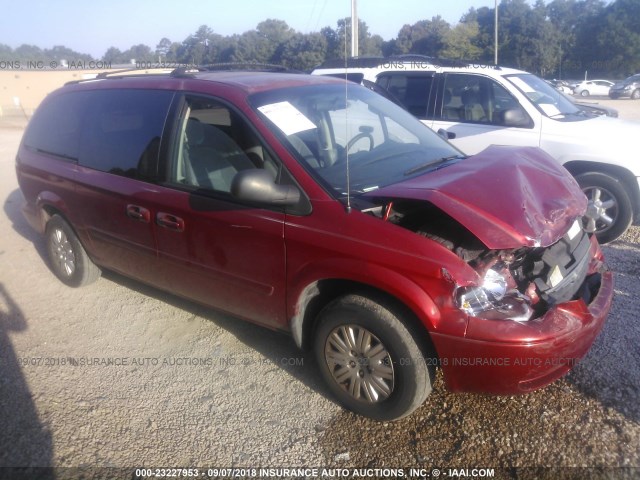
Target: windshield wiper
[[433, 164], [579, 113]]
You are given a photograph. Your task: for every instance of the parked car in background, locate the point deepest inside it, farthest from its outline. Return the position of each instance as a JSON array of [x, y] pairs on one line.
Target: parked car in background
[[629, 87], [325, 211], [480, 105], [561, 86], [593, 87], [591, 106]]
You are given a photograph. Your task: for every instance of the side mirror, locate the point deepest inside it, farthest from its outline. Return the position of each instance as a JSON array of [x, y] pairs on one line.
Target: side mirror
[[515, 117], [258, 185], [445, 134]]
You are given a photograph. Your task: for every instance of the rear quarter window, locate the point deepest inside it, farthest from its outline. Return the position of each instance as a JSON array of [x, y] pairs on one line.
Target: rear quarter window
[[122, 131], [116, 131], [56, 126]]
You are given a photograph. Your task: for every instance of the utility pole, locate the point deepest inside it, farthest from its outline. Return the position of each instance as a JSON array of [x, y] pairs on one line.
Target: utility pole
[[354, 29], [495, 36]]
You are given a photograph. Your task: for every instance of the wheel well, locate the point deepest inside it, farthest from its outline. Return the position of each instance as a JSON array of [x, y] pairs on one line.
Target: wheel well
[[322, 293], [50, 211], [625, 177]]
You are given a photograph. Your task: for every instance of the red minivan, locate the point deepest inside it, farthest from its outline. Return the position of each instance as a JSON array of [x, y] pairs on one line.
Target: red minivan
[[317, 207]]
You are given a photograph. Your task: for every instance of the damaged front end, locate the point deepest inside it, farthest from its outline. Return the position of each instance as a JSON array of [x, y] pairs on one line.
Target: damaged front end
[[512, 215], [534, 290], [517, 284]]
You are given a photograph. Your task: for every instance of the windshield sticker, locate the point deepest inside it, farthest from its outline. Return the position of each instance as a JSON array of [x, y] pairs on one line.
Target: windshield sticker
[[549, 109], [287, 117], [522, 85]]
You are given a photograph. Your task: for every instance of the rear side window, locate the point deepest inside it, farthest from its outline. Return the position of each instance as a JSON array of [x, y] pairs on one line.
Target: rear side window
[[56, 126], [411, 89], [122, 131], [115, 131]]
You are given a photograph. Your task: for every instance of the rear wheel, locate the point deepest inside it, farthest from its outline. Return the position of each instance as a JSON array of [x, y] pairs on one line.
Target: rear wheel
[[68, 259], [609, 212], [635, 95], [370, 359]]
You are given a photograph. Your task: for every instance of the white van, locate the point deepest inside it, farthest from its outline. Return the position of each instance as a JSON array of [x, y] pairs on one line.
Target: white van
[[475, 106]]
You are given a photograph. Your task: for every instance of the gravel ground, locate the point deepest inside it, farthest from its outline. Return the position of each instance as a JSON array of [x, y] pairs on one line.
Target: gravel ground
[[197, 388]]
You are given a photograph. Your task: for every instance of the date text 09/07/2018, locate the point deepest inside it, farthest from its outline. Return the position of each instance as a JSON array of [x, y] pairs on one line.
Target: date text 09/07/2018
[[311, 472]]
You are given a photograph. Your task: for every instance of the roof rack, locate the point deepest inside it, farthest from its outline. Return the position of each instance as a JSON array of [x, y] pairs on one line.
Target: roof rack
[[188, 71], [230, 66], [116, 74], [140, 71]]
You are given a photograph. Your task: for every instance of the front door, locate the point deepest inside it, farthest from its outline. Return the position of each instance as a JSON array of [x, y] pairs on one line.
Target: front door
[[212, 248], [480, 112]]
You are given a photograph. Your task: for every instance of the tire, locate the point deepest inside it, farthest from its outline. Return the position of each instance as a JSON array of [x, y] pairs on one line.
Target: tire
[[609, 213], [635, 95], [396, 378], [584, 93], [67, 257]]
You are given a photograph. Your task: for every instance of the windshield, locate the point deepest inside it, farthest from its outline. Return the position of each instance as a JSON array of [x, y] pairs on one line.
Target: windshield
[[547, 99], [381, 143]]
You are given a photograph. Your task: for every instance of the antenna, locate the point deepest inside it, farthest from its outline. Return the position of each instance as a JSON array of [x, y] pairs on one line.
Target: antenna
[[354, 29], [346, 109]]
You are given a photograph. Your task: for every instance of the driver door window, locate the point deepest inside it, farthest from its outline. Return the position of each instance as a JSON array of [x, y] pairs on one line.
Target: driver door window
[[478, 112], [214, 144], [477, 99]]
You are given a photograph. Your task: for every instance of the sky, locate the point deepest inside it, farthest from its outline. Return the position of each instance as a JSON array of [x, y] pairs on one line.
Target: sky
[[93, 26]]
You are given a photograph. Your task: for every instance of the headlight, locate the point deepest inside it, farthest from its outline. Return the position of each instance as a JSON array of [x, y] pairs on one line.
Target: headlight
[[494, 284], [492, 300]]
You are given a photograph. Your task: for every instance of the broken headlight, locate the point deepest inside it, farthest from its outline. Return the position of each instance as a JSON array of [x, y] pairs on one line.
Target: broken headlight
[[493, 300]]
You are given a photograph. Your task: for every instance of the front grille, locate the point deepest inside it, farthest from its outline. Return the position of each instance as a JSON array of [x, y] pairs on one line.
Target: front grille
[[558, 271]]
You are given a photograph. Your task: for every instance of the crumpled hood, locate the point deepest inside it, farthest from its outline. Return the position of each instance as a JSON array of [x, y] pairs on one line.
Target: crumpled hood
[[507, 197]]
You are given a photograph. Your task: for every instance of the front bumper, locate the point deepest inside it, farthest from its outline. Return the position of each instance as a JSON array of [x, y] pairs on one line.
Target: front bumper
[[506, 357], [619, 93]]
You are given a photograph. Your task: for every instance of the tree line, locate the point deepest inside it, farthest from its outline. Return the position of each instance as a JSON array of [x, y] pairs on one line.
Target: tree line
[[561, 39]]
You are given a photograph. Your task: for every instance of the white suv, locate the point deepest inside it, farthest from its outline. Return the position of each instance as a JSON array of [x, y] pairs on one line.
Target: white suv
[[475, 106]]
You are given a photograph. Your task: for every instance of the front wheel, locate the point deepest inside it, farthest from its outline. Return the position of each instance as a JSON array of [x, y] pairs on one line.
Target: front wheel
[[609, 212], [68, 258], [635, 95], [584, 93], [370, 360]]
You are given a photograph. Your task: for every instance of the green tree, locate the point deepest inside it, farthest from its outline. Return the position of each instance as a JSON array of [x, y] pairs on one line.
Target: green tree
[[139, 53], [28, 53], [60, 52], [304, 52], [195, 49], [617, 36], [460, 42], [339, 40], [163, 48], [113, 55], [425, 37], [6, 53]]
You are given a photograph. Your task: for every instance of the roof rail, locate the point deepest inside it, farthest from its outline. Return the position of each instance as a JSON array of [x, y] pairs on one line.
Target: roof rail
[[230, 66], [117, 74], [138, 71]]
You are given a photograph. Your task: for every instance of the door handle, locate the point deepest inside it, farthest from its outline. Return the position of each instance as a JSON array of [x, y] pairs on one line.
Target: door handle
[[138, 213], [169, 221]]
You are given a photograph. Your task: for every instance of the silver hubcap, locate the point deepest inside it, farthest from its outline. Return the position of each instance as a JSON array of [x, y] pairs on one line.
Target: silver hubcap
[[602, 210], [62, 252], [359, 363]]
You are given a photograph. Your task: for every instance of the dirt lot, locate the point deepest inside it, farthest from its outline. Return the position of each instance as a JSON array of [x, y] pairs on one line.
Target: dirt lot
[[190, 387]]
